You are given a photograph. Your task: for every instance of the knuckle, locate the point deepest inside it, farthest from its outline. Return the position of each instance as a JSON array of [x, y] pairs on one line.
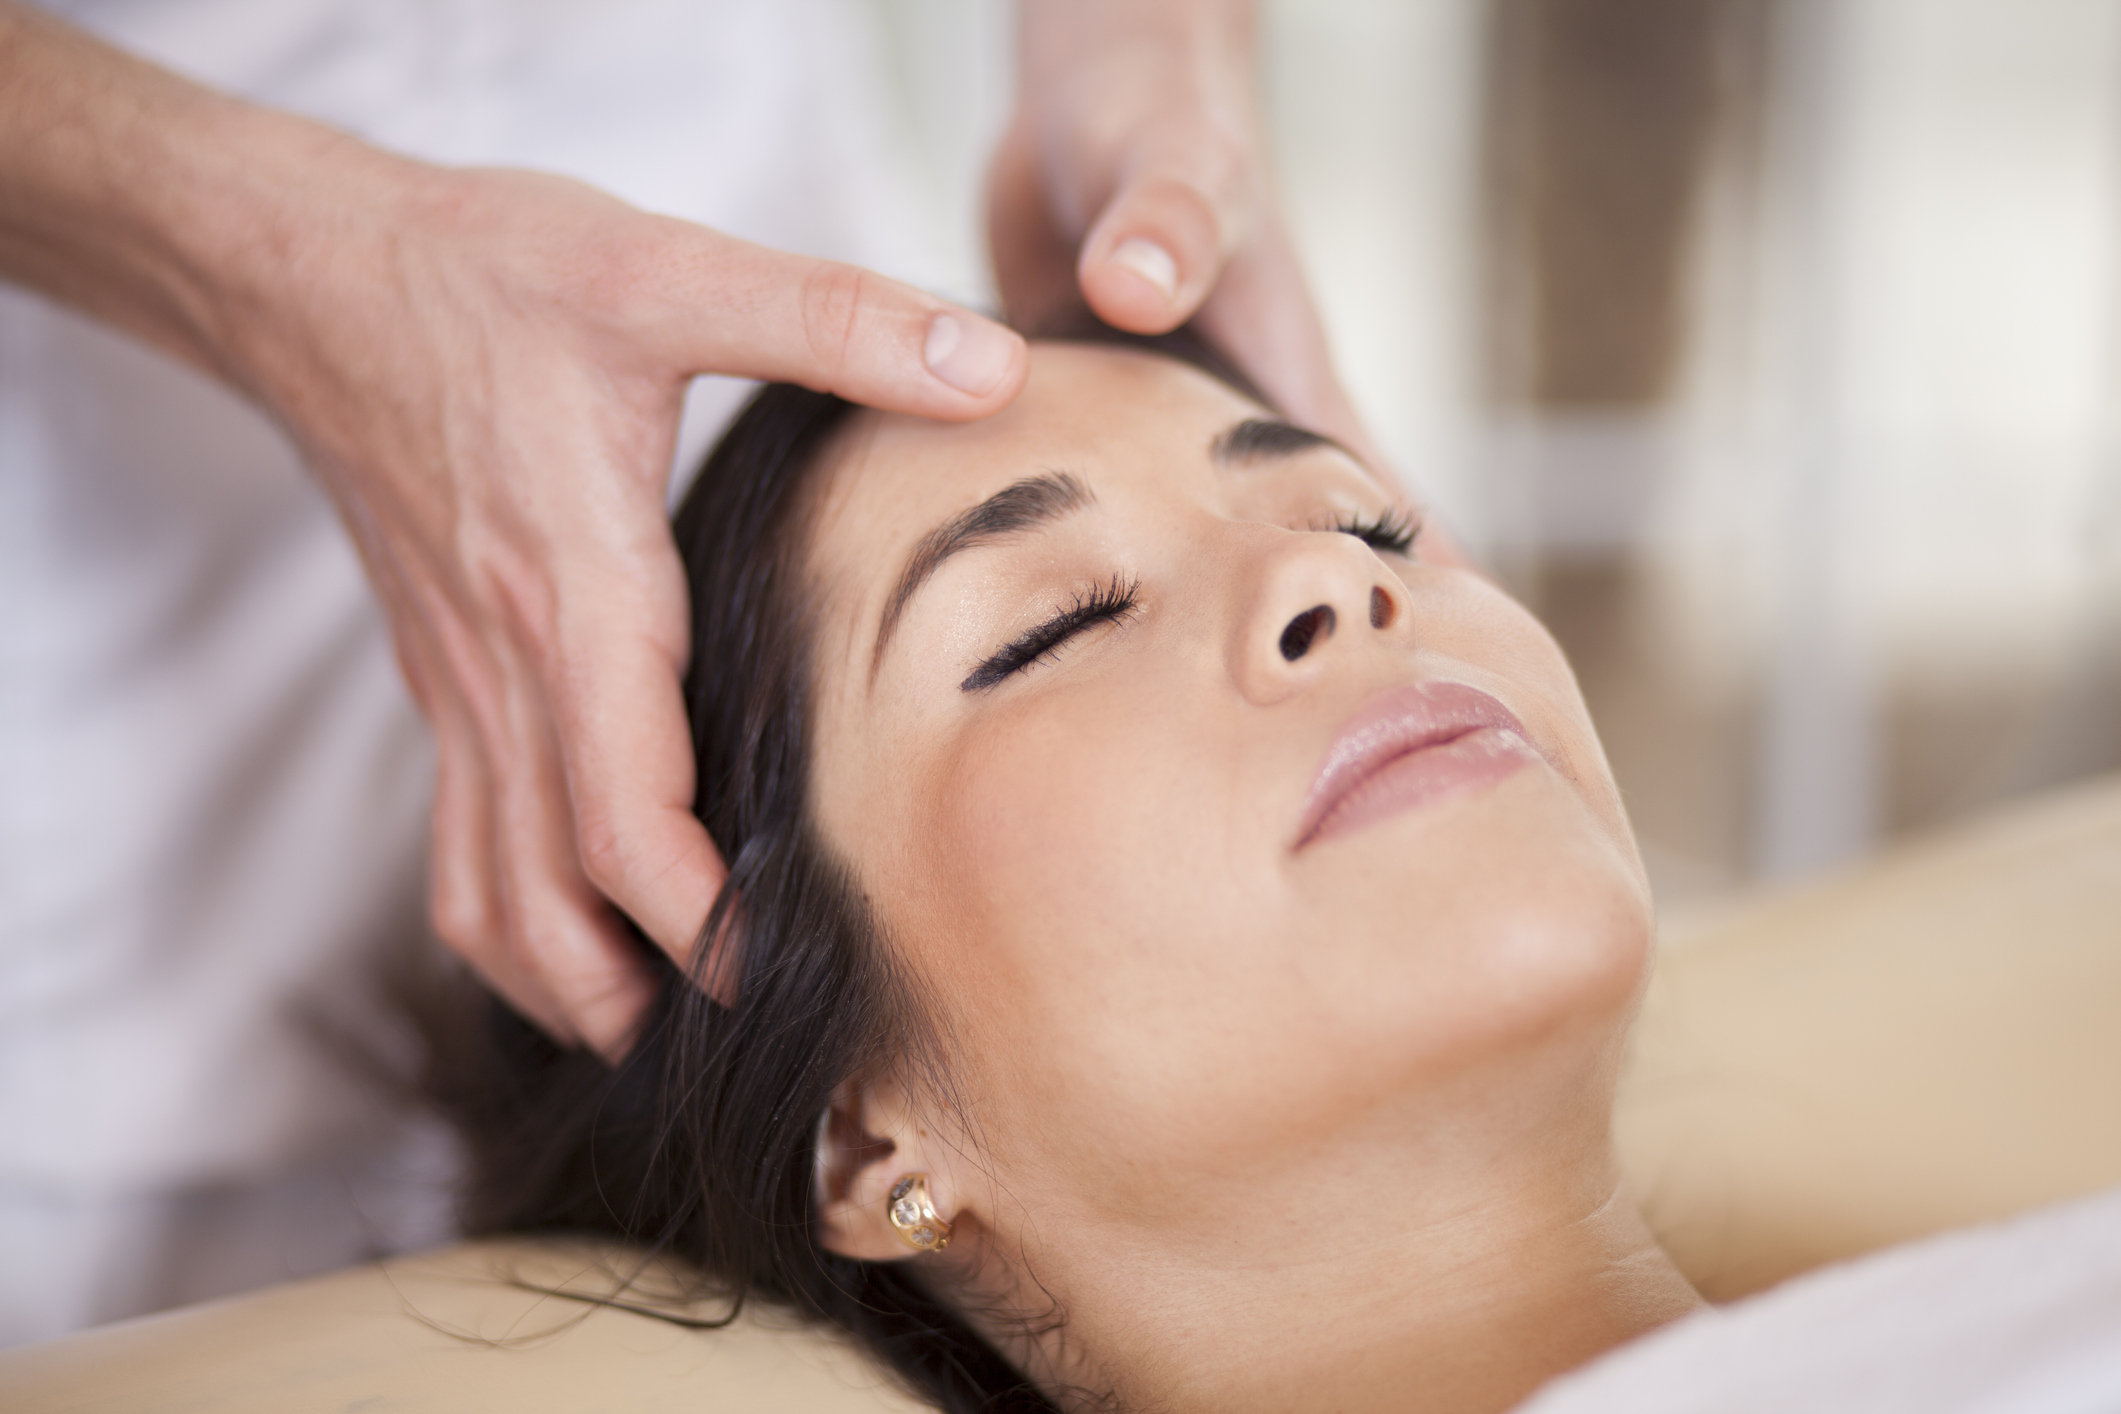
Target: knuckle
[[539, 945], [460, 919], [1208, 175], [834, 298], [602, 847], [510, 589]]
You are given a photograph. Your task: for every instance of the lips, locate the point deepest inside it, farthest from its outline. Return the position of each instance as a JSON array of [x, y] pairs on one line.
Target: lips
[[1412, 746]]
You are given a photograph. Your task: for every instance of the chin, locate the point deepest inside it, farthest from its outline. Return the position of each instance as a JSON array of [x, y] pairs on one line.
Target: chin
[[1496, 924]]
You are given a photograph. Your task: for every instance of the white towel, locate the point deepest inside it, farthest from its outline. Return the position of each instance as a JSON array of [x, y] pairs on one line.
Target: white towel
[[2021, 1317]]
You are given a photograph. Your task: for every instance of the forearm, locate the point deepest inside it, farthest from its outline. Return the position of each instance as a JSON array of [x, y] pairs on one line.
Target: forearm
[[156, 205]]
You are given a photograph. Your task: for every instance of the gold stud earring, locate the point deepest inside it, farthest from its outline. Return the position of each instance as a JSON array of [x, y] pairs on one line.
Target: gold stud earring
[[913, 1215]]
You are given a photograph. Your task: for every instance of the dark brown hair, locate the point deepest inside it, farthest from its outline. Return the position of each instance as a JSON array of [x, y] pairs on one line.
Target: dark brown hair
[[701, 1145]]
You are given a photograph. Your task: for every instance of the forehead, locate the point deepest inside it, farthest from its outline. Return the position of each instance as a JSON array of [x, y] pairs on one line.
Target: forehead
[[1081, 404], [889, 479]]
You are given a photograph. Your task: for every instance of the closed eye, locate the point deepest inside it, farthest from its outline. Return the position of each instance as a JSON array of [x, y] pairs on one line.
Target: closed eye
[[1392, 531], [1112, 602]]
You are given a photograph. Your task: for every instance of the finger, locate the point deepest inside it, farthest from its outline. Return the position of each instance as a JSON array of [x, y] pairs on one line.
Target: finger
[[463, 898], [560, 930], [463, 905], [1034, 264], [627, 750], [512, 898], [1159, 247], [837, 328], [1263, 316]]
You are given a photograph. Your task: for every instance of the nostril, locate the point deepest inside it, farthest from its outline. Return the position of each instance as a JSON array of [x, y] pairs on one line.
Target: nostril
[[1380, 608], [1305, 629]]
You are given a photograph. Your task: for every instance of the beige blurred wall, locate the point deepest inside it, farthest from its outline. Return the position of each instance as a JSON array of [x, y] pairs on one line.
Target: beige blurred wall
[[1869, 581]]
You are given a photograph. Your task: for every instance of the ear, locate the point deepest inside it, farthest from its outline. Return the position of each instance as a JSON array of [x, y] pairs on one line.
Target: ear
[[870, 1136]]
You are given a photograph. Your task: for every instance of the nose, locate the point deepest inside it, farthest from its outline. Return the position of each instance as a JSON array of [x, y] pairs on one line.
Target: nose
[[1307, 628], [1316, 624], [1311, 594]]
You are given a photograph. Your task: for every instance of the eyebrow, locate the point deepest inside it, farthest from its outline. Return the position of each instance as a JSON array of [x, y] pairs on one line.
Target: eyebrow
[[1265, 438], [1040, 500], [1033, 502]]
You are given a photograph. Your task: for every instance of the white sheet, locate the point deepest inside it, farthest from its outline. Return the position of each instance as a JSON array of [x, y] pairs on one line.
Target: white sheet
[[2023, 1317]]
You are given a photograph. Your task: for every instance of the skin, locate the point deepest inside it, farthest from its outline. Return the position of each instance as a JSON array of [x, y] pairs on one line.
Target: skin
[[484, 369], [1139, 135], [1201, 1084]]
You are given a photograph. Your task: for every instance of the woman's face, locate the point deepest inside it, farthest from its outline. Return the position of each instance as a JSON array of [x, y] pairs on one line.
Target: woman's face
[[1212, 829]]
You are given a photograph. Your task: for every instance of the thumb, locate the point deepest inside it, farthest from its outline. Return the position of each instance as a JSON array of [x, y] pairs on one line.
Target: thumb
[[1160, 244], [837, 328]]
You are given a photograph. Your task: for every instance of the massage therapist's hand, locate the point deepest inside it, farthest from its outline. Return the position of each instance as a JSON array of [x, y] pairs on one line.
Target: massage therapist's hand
[[1134, 179], [485, 369]]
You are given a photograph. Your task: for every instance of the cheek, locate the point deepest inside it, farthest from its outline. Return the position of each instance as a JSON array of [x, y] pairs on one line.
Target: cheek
[[1139, 979], [1104, 926], [1469, 620]]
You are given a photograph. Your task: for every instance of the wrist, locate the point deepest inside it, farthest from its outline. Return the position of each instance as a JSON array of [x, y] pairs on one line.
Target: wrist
[[281, 241], [178, 214]]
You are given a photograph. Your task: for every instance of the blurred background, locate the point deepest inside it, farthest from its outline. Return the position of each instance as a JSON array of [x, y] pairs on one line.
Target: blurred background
[[1765, 347]]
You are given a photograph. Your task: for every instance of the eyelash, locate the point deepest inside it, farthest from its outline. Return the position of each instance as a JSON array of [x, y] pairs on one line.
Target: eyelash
[[1392, 531], [1108, 604]]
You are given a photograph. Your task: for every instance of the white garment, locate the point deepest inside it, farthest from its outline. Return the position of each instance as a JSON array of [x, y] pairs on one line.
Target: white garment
[[213, 790], [2022, 1317]]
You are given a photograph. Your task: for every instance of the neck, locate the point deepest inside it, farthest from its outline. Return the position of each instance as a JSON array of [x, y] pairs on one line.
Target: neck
[[1397, 1282]]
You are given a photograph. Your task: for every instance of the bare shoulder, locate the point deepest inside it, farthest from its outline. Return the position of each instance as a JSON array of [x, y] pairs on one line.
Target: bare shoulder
[[1924, 1042]]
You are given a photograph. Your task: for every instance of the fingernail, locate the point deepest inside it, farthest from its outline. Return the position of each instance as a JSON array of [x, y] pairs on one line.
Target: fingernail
[[1150, 261], [970, 355]]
